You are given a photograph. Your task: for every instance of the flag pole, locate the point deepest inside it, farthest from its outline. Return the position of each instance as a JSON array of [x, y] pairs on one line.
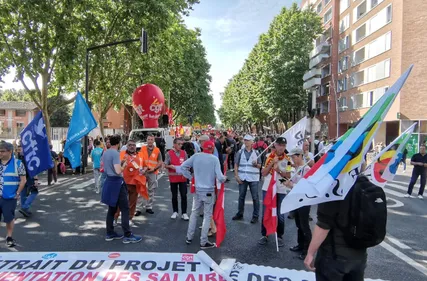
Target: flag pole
[[277, 242]]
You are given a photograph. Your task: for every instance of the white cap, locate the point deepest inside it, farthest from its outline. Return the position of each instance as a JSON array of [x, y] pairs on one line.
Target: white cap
[[248, 138]]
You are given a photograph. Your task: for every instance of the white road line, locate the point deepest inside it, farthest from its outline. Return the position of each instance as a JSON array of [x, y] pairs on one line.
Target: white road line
[[397, 186], [397, 204], [404, 258], [398, 243], [395, 193]]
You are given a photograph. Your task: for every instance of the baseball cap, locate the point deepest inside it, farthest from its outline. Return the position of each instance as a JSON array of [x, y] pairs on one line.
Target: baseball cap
[[204, 138], [208, 147], [296, 150], [281, 140], [248, 138], [187, 138]]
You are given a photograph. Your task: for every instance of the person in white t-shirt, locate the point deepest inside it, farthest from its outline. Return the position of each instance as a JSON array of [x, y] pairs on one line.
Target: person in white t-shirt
[[308, 156], [302, 214]]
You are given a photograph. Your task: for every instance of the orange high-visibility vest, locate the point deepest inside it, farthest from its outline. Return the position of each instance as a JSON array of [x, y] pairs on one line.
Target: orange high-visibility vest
[[131, 173], [150, 161]]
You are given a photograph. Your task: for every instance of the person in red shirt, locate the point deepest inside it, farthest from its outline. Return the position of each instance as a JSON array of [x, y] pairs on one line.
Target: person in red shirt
[[175, 157]]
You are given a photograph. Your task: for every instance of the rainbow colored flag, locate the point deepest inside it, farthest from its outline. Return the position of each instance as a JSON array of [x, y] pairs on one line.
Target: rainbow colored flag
[[334, 174]]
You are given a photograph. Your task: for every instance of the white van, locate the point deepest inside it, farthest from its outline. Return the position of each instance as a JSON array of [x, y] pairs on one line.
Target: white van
[[140, 136]]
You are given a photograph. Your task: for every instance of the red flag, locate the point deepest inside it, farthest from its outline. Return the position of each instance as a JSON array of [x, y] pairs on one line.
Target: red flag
[[270, 203], [219, 218]]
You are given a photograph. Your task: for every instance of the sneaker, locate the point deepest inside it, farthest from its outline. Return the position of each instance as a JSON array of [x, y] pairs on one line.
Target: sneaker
[[138, 213], [112, 237], [115, 223], [263, 240], [280, 242], [132, 239], [420, 197], [188, 241], [150, 211], [10, 242], [24, 212], [208, 245], [408, 196], [185, 217], [174, 215], [254, 220], [296, 248], [231, 170], [130, 223]]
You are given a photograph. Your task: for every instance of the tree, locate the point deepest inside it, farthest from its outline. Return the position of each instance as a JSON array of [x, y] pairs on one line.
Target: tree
[[46, 40], [14, 95], [269, 85]]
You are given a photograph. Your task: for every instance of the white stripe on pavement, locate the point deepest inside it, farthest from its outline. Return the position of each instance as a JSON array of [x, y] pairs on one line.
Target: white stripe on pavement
[[395, 193], [404, 258], [398, 243]]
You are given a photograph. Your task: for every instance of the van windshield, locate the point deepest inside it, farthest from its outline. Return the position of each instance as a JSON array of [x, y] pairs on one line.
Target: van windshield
[[141, 136]]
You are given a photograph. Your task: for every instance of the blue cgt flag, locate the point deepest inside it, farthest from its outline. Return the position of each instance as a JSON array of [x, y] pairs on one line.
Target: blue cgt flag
[[82, 122], [35, 146]]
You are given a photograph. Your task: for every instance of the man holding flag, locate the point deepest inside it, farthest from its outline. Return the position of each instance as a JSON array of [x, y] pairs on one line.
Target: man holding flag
[[276, 172]]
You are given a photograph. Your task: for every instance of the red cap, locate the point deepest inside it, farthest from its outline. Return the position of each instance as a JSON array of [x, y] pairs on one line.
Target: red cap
[[208, 147]]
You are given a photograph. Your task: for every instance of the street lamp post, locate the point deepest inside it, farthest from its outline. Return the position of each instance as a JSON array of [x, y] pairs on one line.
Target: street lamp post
[[144, 49]]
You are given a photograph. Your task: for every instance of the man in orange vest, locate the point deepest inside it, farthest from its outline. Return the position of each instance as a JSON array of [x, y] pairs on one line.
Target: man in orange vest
[[175, 157], [134, 178], [153, 161]]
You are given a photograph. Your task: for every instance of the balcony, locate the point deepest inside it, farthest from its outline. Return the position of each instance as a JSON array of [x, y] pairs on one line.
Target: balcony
[[317, 60], [323, 48], [314, 82], [312, 73]]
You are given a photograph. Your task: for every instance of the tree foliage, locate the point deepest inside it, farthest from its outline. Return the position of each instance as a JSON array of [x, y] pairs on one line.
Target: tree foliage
[[269, 85], [46, 41]]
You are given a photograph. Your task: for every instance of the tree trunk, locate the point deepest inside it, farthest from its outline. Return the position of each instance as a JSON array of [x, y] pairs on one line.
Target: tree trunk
[[101, 125], [44, 108]]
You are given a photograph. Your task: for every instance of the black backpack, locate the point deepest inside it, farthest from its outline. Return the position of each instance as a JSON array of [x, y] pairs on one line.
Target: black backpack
[[366, 209]]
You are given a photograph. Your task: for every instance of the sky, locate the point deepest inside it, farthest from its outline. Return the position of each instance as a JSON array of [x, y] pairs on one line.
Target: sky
[[230, 29]]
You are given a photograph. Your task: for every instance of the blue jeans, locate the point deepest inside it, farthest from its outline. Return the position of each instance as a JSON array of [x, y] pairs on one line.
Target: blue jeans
[[243, 188], [280, 217], [27, 199]]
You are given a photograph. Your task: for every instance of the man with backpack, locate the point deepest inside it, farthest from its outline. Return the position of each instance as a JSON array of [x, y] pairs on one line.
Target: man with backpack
[[344, 231], [188, 146]]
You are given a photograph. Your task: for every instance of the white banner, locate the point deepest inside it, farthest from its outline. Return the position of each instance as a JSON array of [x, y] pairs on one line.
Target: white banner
[[295, 135], [104, 266], [250, 272]]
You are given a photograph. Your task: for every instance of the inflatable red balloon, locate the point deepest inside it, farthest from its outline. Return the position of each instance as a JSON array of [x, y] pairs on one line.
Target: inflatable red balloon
[[148, 102]]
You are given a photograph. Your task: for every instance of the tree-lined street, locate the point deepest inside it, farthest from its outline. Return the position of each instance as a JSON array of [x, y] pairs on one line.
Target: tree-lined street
[[69, 217]]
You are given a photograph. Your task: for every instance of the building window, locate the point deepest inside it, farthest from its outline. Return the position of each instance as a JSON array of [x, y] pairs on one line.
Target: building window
[[325, 89], [324, 107], [343, 64], [360, 33], [359, 56], [344, 4], [326, 71], [378, 71], [19, 125], [344, 44], [342, 85], [360, 11], [2, 112], [357, 101], [357, 79], [20, 113], [328, 16], [345, 23], [319, 8], [327, 2], [374, 3]]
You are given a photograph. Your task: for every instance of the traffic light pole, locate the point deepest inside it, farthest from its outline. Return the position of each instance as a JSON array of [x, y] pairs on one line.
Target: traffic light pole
[[144, 49]]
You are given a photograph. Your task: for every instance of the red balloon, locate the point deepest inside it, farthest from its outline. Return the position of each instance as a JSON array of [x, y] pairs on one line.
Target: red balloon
[[148, 102]]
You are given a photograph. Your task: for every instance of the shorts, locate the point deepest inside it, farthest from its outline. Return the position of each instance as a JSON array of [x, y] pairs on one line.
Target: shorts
[[7, 209]]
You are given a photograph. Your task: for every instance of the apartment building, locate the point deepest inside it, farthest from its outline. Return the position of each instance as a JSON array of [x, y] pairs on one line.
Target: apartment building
[[14, 117], [365, 47]]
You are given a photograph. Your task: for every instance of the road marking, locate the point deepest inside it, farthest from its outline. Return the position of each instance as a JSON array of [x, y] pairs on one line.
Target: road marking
[[398, 186], [404, 258], [398, 243], [397, 204], [394, 193]]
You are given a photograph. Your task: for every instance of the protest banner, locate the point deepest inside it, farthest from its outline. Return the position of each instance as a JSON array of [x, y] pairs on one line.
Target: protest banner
[[251, 272], [104, 266]]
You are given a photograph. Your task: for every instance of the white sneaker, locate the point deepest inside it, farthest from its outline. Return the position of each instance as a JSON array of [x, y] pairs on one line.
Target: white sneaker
[[185, 217], [115, 223], [420, 197], [174, 215], [130, 223], [408, 196]]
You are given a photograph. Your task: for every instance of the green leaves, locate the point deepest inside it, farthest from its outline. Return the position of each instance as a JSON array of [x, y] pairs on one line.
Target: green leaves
[[269, 85]]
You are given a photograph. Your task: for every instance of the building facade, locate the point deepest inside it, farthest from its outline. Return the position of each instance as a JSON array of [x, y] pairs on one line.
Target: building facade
[[14, 117], [116, 122], [365, 47]]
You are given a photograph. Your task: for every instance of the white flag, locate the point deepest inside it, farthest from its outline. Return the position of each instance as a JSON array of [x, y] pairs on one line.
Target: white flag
[[295, 135]]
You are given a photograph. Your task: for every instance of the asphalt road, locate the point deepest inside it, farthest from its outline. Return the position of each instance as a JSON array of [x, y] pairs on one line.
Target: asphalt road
[[69, 217]]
